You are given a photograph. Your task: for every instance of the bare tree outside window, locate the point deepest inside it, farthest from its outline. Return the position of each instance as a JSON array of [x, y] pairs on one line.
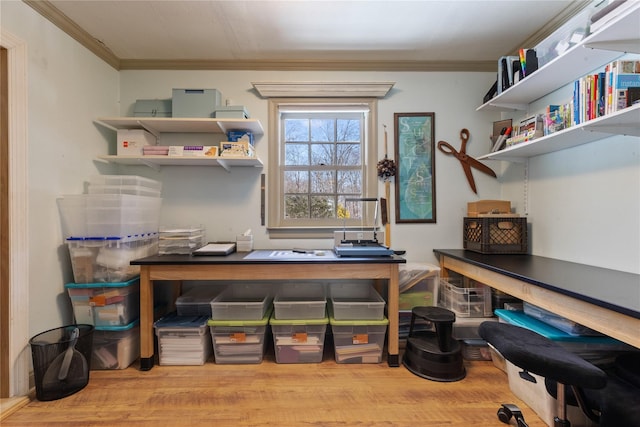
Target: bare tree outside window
[[323, 165]]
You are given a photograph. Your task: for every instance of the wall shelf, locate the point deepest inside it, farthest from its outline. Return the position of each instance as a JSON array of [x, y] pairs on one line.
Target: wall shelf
[[623, 122], [156, 161], [157, 125], [620, 35]]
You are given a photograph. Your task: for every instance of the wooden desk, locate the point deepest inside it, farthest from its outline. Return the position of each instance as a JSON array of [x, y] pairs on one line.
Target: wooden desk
[[236, 267], [605, 300]]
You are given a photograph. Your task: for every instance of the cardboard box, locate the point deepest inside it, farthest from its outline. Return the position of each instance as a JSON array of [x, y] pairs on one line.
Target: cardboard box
[[193, 151], [196, 102], [474, 209], [236, 149], [131, 141]]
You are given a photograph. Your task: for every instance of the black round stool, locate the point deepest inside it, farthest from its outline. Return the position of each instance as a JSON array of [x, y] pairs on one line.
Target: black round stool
[[434, 355]]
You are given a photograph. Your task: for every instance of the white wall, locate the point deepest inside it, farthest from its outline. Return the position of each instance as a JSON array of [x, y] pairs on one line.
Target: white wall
[[584, 202], [67, 88], [229, 203]]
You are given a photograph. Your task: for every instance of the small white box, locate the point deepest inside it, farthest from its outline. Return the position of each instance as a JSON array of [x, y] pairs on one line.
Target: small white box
[[535, 395], [131, 141]]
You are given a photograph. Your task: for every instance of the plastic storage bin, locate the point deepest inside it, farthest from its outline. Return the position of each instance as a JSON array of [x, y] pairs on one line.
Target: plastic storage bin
[[298, 341], [358, 301], [48, 349], [562, 323], [242, 301], [358, 341], [105, 304], [125, 181], [108, 215], [418, 285], [196, 301], [472, 301], [300, 301], [600, 350], [183, 340], [115, 347], [108, 260], [238, 341]]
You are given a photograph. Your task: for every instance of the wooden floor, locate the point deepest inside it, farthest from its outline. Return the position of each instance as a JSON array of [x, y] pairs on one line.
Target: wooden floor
[[282, 395]]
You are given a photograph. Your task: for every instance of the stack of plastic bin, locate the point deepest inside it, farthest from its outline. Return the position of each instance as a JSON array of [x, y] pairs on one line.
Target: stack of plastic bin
[[472, 304], [299, 323], [238, 324], [105, 229], [113, 309], [180, 240], [357, 322]]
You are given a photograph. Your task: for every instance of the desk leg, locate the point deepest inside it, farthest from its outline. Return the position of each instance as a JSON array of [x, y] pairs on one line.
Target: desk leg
[[146, 319], [393, 357]]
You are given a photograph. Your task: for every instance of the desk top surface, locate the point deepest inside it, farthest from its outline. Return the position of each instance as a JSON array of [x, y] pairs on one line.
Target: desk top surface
[[613, 289], [242, 258]]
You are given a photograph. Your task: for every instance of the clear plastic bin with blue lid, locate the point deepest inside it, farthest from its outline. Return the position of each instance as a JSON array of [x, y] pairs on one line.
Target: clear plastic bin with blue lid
[[183, 340]]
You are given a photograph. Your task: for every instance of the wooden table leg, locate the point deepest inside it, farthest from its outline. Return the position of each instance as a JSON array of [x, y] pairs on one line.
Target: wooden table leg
[[393, 357], [146, 319]]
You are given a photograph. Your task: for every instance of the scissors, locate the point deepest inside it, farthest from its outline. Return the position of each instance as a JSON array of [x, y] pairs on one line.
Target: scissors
[[466, 161]]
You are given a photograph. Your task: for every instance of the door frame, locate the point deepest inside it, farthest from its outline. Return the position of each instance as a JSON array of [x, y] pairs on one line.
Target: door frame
[[16, 358]]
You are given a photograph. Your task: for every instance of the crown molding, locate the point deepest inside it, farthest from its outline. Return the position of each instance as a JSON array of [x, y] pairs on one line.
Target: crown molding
[[306, 65], [62, 21], [323, 89]]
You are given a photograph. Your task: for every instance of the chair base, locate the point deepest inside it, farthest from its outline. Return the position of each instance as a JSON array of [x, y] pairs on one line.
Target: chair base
[[423, 358]]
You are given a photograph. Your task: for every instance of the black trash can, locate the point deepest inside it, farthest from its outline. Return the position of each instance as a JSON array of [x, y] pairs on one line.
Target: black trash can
[[61, 360]]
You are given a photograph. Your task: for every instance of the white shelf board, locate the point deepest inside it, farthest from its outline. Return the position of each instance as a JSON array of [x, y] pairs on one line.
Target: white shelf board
[[158, 125], [624, 122], [620, 35], [156, 161]]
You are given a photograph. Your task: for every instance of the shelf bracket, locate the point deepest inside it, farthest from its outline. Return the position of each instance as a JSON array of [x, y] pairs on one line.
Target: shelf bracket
[[152, 165], [223, 163]]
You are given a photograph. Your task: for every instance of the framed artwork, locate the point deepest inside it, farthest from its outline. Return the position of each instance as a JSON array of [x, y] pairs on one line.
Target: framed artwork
[[415, 163]]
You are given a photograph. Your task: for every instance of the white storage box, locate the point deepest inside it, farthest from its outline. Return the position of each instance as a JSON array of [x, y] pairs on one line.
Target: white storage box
[[358, 341], [238, 341], [108, 215], [242, 301], [473, 301], [300, 301], [131, 141], [108, 260], [105, 304], [536, 397], [355, 301], [299, 341], [115, 347], [126, 181], [183, 340]]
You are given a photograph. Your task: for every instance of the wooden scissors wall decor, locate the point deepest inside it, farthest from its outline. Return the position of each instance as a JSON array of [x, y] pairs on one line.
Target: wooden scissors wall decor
[[466, 161]]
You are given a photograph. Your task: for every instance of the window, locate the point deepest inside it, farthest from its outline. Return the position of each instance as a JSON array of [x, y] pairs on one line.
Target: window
[[322, 154]]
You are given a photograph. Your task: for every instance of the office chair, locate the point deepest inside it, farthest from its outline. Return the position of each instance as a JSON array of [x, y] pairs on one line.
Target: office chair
[[610, 398]]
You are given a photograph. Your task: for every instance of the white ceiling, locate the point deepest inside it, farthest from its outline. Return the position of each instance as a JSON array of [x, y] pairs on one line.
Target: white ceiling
[[277, 33]]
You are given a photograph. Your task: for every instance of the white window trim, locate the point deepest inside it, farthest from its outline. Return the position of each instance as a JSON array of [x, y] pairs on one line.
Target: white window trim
[[370, 188]]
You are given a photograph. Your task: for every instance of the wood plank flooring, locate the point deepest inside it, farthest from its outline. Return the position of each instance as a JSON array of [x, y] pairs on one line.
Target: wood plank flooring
[[282, 395]]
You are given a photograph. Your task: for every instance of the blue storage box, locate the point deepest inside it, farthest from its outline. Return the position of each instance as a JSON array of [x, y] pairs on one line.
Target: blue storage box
[[240, 135], [196, 103], [600, 350]]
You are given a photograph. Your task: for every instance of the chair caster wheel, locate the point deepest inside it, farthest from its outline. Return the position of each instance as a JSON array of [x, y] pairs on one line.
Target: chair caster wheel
[[509, 410]]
